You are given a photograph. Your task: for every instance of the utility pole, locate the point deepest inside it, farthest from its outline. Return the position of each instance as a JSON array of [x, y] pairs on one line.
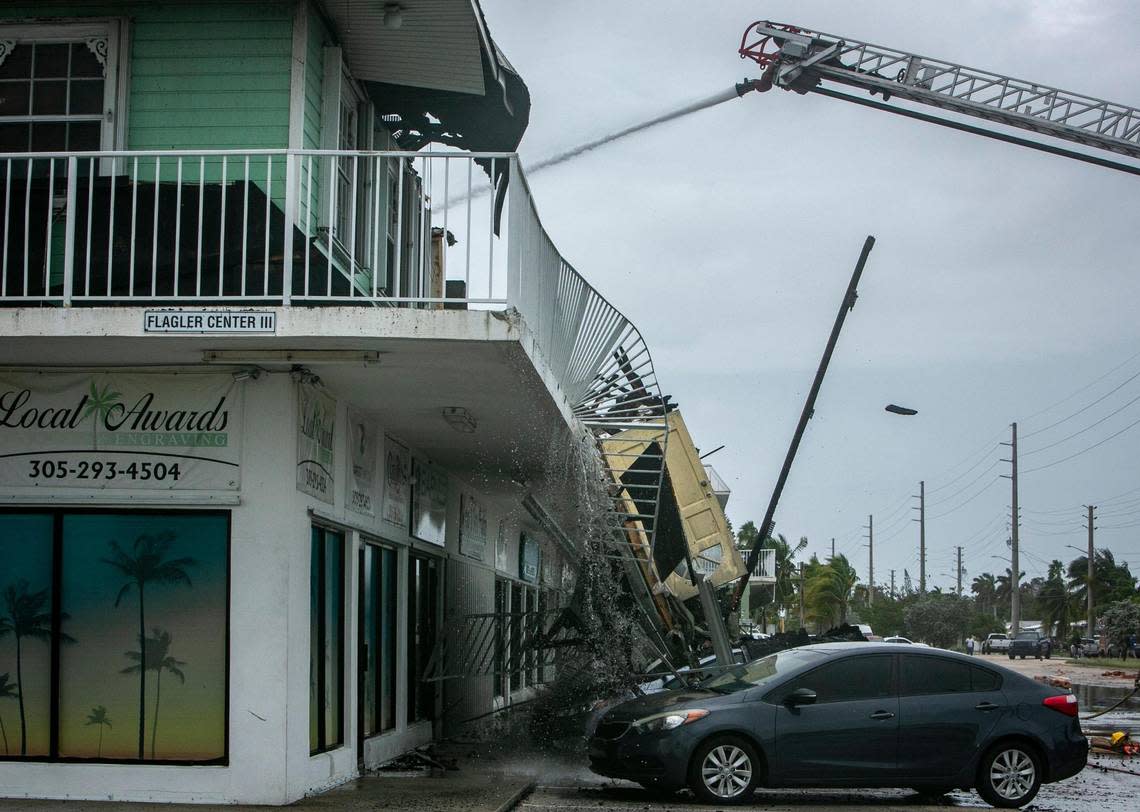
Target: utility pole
[[922, 536], [1089, 582], [892, 584], [1014, 562], [871, 558], [801, 594], [959, 572]]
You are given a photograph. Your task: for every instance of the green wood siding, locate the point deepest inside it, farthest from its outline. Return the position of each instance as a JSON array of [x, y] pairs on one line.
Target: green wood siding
[[211, 74]]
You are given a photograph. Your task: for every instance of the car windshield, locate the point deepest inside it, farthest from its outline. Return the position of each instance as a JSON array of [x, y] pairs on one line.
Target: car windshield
[[759, 672], [1027, 636], [997, 637]]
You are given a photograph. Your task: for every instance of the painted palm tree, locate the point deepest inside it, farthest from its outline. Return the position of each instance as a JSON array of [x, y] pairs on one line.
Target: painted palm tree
[[984, 588], [99, 404], [147, 563], [98, 716], [157, 659], [27, 617], [7, 691]]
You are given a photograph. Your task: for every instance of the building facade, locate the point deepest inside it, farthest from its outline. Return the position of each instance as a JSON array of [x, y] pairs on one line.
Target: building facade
[[285, 396]]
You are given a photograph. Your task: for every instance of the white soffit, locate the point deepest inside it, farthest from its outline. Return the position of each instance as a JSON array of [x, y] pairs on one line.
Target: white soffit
[[438, 45]]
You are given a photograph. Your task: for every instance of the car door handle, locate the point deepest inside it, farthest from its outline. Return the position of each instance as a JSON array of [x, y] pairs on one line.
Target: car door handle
[[882, 715], [985, 706]]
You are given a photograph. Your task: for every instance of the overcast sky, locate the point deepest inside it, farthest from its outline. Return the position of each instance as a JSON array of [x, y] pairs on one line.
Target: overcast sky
[[1003, 280]]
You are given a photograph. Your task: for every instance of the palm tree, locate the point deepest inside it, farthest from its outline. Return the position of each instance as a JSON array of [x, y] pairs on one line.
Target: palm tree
[[1055, 601], [830, 588], [155, 659], [98, 716], [1003, 594], [145, 564], [985, 588], [7, 691], [27, 616]]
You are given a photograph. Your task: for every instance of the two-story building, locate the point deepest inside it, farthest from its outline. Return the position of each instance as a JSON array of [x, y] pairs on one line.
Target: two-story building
[[292, 381]]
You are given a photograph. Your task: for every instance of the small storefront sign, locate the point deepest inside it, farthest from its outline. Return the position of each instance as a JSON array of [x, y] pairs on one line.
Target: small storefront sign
[[472, 527], [316, 431], [209, 321], [111, 431], [397, 484], [429, 502], [528, 559], [363, 437]]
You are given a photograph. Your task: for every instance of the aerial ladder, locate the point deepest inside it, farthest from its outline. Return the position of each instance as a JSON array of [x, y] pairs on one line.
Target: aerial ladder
[[805, 61]]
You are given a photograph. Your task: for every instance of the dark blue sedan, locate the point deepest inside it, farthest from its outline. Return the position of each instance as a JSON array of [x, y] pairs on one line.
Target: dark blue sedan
[[848, 715]]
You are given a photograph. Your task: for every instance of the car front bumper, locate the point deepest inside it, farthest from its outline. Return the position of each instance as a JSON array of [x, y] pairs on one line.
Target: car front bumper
[[651, 758]]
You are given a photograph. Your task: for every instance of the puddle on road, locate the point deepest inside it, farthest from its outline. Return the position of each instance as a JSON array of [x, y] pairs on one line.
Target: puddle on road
[[1094, 698]]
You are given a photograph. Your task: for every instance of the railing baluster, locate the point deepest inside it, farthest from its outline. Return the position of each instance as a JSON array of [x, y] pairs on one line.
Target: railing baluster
[[376, 222], [245, 228], [177, 223], [310, 227], [111, 227], [399, 264], [334, 176], [87, 242], [7, 218], [154, 233], [134, 225], [69, 229], [222, 228], [201, 226], [467, 267], [352, 200], [268, 221], [27, 220], [50, 226], [446, 209], [292, 192]]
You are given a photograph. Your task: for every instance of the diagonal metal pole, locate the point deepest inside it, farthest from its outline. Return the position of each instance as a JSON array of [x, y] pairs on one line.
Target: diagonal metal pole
[[809, 408]]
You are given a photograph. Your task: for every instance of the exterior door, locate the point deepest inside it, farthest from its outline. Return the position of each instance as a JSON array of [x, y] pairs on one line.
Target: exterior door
[[850, 734], [946, 710]]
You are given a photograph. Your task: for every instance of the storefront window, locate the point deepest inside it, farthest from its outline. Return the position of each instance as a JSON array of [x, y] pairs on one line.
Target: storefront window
[[25, 634], [378, 628], [326, 640], [516, 658], [502, 625], [423, 596], [139, 631]]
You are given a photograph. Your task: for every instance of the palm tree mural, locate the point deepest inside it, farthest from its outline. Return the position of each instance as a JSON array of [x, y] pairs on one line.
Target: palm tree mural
[[147, 563], [98, 716], [99, 405], [27, 617], [7, 691], [157, 659]]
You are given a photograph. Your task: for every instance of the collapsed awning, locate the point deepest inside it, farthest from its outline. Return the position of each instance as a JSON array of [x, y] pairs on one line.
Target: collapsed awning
[[437, 76]]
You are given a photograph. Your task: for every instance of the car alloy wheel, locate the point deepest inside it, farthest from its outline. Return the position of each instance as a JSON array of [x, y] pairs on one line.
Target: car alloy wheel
[[1010, 777], [725, 770]]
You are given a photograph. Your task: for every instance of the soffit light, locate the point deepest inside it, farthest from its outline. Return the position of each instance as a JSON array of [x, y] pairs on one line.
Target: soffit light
[[459, 419]]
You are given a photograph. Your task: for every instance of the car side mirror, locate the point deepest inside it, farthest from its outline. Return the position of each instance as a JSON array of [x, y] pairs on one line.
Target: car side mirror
[[800, 696]]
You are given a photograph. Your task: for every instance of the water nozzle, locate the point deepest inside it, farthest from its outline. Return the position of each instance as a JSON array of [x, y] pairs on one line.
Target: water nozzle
[[759, 85]]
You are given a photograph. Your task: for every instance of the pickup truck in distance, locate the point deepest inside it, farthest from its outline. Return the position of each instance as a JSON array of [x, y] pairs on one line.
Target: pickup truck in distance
[[1030, 644], [995, 642]]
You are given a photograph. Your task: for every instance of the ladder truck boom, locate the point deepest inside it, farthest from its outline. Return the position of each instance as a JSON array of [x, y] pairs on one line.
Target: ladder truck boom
[[801, 60]]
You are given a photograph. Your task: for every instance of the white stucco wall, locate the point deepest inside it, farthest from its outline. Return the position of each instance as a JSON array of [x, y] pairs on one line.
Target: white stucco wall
[[269, 761]]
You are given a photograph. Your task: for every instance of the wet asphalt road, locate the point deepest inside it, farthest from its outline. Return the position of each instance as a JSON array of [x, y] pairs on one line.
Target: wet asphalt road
[[1094, 790]]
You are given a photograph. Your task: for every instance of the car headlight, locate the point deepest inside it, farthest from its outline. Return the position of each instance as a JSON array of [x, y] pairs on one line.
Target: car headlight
[[668, 721]]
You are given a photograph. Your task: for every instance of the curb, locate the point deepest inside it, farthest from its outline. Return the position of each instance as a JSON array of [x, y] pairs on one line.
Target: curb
[[517, 798]]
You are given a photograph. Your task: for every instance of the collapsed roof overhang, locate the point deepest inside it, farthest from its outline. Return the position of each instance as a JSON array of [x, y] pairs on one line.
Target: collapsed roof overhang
[[436, 78]]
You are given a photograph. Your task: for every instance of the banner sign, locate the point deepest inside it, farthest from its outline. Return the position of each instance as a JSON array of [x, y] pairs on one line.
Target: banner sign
[[363, 437], [110, 430], [397, 484], [429, 502], [528, 559], [472, 527], [316, 430]]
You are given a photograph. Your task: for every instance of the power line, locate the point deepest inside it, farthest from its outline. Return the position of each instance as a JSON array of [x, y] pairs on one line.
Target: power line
[[966, 487], [961, 505], [1086, 428], [1085, 408], [1083, 450], [1084, 388], [987, 449]]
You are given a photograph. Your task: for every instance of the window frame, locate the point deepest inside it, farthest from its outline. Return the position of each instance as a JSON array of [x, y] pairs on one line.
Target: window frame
[[383, 600], [57, 601], [112, 133]]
